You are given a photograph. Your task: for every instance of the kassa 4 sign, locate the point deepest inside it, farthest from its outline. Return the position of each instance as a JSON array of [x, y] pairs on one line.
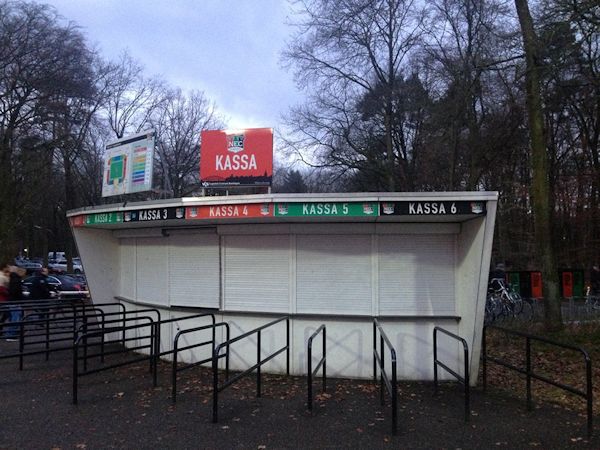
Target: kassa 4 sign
[[237, 157]]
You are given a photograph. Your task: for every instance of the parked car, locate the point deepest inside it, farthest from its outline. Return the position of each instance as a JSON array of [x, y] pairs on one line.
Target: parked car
[[62, 286], [60, 266], [28, 265]]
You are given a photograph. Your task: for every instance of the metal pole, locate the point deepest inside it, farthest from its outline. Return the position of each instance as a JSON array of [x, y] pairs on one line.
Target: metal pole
[[394, 399], [258, 368], [467, 387], [324, 360], [590, 394], [382, 370], [528, 369], [174, 374], [75, 370], [215, 417], [310, 374], [435, 360]]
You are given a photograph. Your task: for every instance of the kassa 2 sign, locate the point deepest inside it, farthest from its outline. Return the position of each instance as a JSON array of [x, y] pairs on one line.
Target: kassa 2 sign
[[237, 157]]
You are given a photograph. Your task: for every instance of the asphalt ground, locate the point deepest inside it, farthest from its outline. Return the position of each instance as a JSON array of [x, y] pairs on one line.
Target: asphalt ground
[[120, 408]]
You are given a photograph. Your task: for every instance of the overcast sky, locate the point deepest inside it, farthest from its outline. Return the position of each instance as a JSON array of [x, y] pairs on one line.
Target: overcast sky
[[227, 48]]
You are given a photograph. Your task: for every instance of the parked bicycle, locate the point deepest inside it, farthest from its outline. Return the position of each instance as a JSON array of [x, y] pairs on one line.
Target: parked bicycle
[[504, 303]]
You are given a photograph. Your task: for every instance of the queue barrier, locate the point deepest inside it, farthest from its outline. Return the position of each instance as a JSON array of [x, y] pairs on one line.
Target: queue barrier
[[84, 340], [390, 382], [59, 323], [177, 349], [322, 362], [259, 362], [437, 363], [530, 374]]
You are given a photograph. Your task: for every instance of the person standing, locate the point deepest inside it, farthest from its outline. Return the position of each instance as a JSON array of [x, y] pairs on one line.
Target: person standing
[[15, 294], [39, 288]]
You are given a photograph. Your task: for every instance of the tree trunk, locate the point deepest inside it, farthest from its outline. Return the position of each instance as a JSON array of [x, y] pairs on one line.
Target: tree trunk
[[539, 165]]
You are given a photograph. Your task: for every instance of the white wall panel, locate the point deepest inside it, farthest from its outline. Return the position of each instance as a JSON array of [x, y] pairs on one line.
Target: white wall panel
[[256, 273], [127, 283], [152, 271], [416, 274], [333, 274], [194, 270]]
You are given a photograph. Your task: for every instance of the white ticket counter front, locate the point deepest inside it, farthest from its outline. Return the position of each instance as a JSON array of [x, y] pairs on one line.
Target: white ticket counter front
[[413, 260]]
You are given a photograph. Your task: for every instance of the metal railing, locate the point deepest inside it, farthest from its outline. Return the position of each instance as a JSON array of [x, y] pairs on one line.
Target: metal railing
[[55, 324], [322, 362], [530, 374], [177, 349], [84, 340], [462, 379], [259, 362], [390, 383]]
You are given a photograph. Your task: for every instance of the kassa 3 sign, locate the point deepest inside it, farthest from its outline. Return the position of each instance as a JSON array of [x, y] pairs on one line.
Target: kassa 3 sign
[[237, 157]]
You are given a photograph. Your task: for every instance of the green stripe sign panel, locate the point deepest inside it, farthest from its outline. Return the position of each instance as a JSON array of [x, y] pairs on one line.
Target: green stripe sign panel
[[327, 209], [104, 218]]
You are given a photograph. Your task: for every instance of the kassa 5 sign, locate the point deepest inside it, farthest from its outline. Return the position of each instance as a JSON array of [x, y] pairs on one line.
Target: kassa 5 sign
[[237, 157]]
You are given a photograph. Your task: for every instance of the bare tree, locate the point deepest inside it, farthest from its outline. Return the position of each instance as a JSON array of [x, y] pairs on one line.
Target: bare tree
[[42, 66], [134, 97], [180, 120], [347, 51], [539, 166]]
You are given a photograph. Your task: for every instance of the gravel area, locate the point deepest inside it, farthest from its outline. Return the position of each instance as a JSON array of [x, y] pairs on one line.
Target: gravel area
[[120, 408]]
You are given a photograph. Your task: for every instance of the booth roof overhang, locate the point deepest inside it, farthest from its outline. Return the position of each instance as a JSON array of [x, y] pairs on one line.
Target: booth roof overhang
[[285, 208]]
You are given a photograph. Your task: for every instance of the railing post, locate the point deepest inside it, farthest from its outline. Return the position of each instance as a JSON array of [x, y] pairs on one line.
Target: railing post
[[155, 336], [374, 349], [287, 328], [324, 360], [174, 374], [310, 380], [467, 382], [227, 349], [528, 370], [435, 360], [215, 415], [589, 395], [85, 342], [75, 369], [382, 370], [258, 362], [394, 396]]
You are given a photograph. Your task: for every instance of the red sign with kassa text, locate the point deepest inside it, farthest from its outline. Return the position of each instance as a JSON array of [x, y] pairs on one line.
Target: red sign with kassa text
[[237, 157]]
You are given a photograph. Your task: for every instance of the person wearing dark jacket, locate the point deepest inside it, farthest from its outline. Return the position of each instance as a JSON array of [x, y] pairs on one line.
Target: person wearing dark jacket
[[39, 288]]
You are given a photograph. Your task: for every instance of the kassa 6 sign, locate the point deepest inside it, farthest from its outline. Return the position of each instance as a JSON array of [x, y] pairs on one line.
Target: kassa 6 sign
[[237, 157]]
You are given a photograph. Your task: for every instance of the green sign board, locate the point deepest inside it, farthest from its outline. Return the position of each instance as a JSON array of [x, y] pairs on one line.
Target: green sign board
[[104, 218], [327, 209]]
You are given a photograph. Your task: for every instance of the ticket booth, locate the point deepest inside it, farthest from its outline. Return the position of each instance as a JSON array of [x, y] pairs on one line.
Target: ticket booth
[[413, 260]]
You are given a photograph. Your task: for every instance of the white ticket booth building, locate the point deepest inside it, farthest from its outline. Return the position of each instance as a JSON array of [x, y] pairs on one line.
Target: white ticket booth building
[[412, 260]]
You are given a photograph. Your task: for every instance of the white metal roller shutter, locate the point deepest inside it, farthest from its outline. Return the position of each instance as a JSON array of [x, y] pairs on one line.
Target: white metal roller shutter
[[127, 269], [256, 273], [416, 274], [333, 274], [194, 270], [152, 275]]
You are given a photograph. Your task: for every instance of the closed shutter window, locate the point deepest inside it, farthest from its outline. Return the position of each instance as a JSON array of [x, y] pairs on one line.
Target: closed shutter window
[[127, 269], [333, 274], [256, 273], [194, 270], [151, 264], [416, 274]]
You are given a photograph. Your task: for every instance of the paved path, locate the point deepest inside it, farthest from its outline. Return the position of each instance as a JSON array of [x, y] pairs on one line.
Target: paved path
[[120, 409]]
